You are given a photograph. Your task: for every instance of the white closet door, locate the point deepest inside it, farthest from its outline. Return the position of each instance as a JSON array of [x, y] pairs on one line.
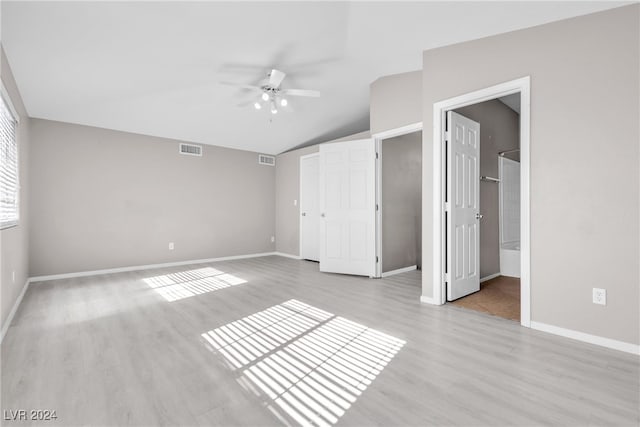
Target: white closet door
[[310, 207], [463, 234], [347, 206]]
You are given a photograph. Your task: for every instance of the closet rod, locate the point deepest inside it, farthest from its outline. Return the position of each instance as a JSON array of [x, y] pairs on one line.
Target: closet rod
[[489, 179]]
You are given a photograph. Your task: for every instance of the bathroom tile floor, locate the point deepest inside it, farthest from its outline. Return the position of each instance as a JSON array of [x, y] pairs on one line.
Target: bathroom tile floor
[[498, 297]]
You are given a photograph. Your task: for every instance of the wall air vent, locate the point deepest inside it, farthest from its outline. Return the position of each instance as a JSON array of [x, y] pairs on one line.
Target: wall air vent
[[191, 150], [263, 159]]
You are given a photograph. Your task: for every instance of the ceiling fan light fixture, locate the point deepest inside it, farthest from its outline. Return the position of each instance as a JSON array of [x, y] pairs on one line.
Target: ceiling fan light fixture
[[271, 94]]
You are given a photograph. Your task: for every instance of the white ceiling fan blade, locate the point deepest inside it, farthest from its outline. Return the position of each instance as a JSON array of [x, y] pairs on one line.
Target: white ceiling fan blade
[[302, 92], [276, 77], [241, 86]]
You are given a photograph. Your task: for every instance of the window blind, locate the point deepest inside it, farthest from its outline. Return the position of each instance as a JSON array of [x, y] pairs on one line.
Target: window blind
[[9, 184]]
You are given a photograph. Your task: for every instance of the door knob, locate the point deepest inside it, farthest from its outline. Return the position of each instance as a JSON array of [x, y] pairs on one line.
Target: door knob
[[322, 215], [479, 215], [304, 214]]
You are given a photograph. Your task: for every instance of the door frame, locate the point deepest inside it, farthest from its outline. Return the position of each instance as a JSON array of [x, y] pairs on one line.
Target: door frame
[[378, 138], [301, 234], [522, 86]]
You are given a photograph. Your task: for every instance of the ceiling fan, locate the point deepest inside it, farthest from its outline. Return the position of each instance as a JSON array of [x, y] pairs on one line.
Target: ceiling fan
[[272, 94]]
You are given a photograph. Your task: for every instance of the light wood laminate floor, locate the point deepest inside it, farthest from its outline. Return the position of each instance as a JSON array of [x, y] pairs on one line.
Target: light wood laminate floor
[[271, 341]]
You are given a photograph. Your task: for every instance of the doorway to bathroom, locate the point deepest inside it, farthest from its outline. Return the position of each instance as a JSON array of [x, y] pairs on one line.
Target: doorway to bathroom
[[483, 248], [496, 126]]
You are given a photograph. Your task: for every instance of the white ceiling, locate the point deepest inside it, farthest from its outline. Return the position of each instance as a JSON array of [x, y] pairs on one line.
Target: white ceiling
[[153, 67]]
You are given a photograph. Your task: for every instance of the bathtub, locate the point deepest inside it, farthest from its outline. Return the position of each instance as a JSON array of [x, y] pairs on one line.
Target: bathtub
[[510, 259]]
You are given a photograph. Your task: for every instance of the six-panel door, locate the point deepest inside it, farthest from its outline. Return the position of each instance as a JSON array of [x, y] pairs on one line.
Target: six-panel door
[[463, 234], [347, 206]]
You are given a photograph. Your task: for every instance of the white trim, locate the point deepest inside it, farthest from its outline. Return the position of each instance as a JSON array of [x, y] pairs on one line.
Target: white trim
[[378, 145], [592, 339], [378, 138], [9, 102], [428, 300], [144, 267], [439, 234], [14, 309], [521, 86], [399, 271], [525, 202], [489, 277], [402, 130], [282, 254], [306, 156]]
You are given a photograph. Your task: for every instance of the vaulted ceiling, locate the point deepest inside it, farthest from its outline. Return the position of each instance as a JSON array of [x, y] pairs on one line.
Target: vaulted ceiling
[[154, 67]]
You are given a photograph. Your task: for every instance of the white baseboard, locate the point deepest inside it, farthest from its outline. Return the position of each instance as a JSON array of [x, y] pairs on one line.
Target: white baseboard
[[287, 255], [400, 270], [13, 311], [489, 277], [429, 300], [144, 267], [592, 339]]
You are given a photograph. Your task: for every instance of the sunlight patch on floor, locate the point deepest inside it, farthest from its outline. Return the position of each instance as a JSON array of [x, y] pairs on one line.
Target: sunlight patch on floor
[[311, 365], [184, 284]]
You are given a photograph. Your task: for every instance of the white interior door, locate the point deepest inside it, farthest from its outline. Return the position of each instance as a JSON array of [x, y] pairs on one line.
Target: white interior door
[[348, 207], [310, 207], [463, 206]]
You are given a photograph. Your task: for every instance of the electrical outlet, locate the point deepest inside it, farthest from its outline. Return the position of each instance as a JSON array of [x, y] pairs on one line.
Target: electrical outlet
[[295, 203], [599, 296], [13, 276], [171, 246], [273, 239]]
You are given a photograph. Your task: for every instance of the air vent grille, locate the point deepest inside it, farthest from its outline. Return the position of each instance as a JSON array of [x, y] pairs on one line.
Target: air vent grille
[[191, 150], [263, 159]]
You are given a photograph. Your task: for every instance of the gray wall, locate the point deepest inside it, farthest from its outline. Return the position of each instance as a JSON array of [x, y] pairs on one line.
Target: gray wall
[[401, 201], [499, 131], [395, 101], [14, 242], [288, 191], [106, 199], [584, 160]]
